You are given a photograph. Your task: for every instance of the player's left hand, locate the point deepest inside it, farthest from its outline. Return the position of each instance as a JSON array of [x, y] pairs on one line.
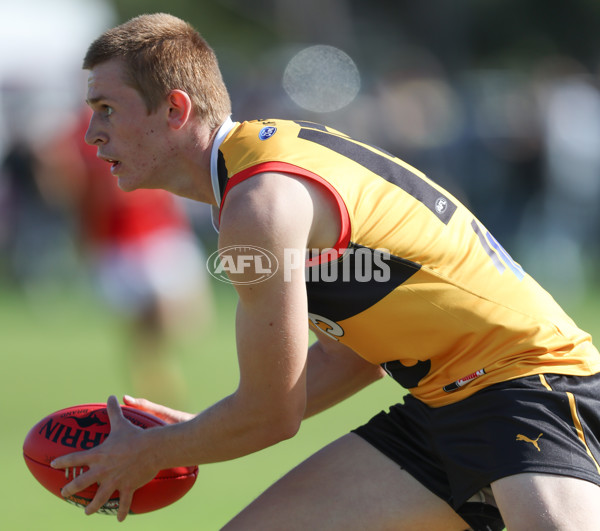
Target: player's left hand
[[170, 416], [121, 463]]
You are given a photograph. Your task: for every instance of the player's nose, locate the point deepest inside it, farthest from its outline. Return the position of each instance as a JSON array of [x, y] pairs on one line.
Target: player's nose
[[94, 135]]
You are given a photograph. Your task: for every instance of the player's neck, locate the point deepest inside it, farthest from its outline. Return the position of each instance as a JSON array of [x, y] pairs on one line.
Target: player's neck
[[191, 169]]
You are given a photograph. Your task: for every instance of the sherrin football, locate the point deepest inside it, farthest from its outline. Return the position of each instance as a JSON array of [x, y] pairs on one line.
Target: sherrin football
[[83, 427]]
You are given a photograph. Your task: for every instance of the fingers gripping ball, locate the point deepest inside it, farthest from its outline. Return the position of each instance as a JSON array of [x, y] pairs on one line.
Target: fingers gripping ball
[[83, 427]]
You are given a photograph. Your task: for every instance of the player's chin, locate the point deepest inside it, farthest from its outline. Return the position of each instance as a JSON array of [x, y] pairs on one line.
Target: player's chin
[[127, 184]]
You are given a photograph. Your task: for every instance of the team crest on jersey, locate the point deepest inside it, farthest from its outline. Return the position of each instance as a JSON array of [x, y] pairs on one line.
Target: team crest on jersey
[[327, 326], [267, 132], [441, 204]]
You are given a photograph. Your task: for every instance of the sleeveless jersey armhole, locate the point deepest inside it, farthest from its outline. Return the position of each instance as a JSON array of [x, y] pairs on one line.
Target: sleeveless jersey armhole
[[282, 167]]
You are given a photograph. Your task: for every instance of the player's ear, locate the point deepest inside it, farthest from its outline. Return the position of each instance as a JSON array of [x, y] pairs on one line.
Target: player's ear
[[180, 108]]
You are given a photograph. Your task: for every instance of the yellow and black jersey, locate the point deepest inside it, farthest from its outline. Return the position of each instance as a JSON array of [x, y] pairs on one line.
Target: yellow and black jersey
[[416, 283]]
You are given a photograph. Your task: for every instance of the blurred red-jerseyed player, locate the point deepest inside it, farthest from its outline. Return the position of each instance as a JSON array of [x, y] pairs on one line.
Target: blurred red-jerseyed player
[[146, 260]]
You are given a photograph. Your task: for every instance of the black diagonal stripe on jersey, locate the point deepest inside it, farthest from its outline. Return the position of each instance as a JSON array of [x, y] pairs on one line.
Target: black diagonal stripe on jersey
[[347, 295], [311, 125], [389, 170]]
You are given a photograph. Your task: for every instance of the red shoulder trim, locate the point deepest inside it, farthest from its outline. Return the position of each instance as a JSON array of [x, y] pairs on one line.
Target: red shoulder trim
[[283, 167]]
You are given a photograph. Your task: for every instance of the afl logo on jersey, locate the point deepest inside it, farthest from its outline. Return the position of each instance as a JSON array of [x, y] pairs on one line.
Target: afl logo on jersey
[[267, 132], [441, 204]]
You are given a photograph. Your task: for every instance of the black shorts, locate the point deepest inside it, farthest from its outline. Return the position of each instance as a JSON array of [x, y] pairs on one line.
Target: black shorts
[[545, 424]]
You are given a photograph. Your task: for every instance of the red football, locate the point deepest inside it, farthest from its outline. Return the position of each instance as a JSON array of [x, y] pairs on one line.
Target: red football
[[83, 427]]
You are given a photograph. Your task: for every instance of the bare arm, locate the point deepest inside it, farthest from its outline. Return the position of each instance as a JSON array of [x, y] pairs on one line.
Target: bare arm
[[273, 212], [335, 372]]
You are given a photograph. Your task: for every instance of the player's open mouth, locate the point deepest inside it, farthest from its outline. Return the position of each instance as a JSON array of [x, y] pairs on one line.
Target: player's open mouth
[[114, 164]]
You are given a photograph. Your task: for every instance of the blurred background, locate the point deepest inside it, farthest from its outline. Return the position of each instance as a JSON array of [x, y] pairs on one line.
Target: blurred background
[[498, 101]]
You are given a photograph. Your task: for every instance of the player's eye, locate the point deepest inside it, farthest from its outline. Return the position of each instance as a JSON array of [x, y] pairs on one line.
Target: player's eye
[[107, 109]]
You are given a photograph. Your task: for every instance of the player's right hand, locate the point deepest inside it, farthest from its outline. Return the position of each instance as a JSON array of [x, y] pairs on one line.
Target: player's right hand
[[119, 463]]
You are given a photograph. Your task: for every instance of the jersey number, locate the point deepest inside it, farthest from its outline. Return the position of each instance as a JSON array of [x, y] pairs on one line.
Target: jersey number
[[500, 258]]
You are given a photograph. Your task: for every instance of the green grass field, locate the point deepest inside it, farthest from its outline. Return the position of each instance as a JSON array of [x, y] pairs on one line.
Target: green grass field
[[64, 349]]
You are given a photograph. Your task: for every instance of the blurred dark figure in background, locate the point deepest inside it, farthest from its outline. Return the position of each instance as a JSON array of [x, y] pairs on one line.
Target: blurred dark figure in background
[[146, 261], [30, 229]]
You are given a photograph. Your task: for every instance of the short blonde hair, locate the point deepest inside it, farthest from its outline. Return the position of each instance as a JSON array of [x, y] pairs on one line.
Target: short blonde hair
[[162, 53]]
